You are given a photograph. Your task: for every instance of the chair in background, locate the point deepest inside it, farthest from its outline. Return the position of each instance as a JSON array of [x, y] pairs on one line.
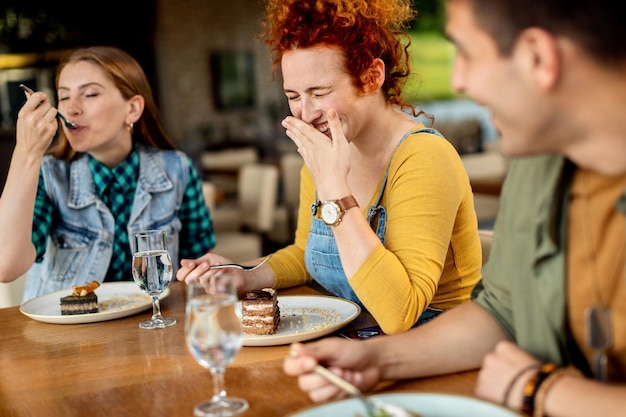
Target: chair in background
[[486, 237], [290, 166], [11, 292], [242, 226], [222, 167], [209, 191], [486, 171], [287, 211]]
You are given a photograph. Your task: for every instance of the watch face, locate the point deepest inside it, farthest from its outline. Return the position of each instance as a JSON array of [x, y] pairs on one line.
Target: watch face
[[330, 213]]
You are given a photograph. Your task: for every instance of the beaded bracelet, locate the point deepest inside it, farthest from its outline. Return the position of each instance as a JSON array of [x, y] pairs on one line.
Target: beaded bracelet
[[507, 391], [530, 390], [541, 392]]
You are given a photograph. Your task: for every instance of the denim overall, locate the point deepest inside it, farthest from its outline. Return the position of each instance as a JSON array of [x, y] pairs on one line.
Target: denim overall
[[80, 245], [321, 256]]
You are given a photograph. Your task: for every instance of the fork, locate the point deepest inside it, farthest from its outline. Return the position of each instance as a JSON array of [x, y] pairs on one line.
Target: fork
[[66, 122], [242, 267], [374, 406]]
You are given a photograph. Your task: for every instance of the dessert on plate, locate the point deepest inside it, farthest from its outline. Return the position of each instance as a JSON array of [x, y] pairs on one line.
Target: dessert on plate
[[83, 300], [260, 312]]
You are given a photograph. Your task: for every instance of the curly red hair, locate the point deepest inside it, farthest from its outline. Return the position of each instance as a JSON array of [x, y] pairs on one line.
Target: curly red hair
[[363, 29]]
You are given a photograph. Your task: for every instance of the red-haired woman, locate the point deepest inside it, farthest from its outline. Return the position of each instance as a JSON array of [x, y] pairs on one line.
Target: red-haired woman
[[386, 214]]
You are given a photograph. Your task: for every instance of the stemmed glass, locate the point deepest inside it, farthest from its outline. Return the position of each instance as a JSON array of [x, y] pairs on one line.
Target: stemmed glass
[[214, 336], [152, 272]]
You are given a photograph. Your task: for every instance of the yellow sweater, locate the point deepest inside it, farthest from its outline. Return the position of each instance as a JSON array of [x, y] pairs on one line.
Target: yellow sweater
[[432, 253]]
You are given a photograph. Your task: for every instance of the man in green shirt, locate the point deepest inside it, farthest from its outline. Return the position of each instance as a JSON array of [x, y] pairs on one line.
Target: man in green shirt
[[547, 324]]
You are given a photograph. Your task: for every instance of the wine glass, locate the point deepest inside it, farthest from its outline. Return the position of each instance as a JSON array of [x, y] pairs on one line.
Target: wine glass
[[152, 271], [214, 336]]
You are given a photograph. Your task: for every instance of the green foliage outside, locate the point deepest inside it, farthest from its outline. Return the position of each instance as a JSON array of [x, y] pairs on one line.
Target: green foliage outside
[[431, 67], [431, 54], [430, 15]]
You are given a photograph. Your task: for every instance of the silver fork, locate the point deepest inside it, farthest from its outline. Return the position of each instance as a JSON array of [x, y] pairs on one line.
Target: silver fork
[[66, 122], [375, 407], [242, 267]]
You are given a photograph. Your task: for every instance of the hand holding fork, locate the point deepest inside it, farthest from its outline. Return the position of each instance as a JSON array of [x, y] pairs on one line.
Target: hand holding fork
[[67, 123]]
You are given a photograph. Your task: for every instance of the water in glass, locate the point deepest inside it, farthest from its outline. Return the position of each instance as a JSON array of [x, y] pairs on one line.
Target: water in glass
[[214, 337], [152, 272]]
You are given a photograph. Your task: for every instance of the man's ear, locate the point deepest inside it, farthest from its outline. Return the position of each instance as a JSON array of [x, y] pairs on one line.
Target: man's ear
[[374, 77], [135, 108], [542, 56]]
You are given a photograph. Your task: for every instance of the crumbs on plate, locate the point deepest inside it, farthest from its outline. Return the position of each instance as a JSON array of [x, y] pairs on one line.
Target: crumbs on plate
[[123, 302], [308, 319]]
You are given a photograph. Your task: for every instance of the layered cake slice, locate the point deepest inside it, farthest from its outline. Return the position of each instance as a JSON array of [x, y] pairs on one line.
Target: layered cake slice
[[83, 300], [260, 312]]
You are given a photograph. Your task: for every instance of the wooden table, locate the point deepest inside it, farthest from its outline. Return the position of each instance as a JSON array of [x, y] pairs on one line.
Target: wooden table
[[113, 368]]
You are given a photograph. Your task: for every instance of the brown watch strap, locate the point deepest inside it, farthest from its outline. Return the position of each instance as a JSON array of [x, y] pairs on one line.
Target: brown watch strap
[[347, 203]]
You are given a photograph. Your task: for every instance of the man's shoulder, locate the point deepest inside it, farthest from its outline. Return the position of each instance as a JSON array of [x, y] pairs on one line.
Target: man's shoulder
[[540, 167], [538, 161]]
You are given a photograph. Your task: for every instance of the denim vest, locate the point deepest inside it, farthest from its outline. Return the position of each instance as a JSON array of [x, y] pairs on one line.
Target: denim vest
[[80, 244], [321, 256]]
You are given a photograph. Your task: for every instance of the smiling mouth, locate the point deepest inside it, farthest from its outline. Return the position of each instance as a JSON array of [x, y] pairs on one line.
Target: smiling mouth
[[323, 128]]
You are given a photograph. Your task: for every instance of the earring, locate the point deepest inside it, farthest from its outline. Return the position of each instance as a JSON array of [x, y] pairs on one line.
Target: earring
[[130, 127]]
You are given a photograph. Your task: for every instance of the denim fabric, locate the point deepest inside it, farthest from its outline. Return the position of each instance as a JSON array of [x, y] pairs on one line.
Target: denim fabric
[[427, 315], [80, 245], [321, 256]]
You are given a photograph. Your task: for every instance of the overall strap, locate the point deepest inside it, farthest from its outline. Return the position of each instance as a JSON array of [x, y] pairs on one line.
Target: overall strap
[[371, 211]]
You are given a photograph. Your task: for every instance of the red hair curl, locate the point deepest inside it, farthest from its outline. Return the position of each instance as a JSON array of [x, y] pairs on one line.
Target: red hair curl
[[364, 30]]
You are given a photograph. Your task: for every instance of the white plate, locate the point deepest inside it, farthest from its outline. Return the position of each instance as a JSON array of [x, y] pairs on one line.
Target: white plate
[[426, 404], [115, 299], [305, 317]]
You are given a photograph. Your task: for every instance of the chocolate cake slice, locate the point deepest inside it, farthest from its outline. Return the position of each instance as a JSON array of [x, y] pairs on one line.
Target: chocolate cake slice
[[260, 312], [83, 300], [76, 304]]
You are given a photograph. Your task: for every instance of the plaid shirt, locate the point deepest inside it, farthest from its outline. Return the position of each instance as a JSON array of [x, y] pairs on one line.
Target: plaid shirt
[[116, 188]]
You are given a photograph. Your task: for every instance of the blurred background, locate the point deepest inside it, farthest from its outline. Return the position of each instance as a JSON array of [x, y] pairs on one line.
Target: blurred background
[[211, 75]]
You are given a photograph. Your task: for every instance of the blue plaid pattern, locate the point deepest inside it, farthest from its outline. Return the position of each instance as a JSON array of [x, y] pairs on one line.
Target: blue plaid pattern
[[197, 236], [42, 219], [116, 188]]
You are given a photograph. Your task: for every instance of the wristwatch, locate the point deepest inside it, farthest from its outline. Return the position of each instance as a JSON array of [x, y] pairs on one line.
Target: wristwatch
[[333, 211]]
